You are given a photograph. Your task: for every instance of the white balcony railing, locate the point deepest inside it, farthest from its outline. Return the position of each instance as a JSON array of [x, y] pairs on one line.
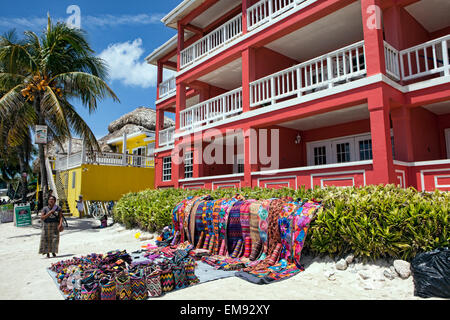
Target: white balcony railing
[[215, 39], [166, 137], [425, 59], [167, 88], [343, 65], [102, 158], [215, 109], [391, 56], [266, 10]]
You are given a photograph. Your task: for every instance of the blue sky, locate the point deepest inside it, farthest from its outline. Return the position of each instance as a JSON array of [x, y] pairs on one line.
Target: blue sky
[[121, 32]]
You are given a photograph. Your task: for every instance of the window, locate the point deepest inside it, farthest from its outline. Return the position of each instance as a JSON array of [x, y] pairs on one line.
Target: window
[[238, 166], [340, 150], [167, 169], [365, 149], [343, 152], [188, 165], [320, 155]]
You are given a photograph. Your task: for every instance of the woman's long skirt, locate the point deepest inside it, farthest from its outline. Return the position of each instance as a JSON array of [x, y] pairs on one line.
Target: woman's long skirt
[[49, 238]]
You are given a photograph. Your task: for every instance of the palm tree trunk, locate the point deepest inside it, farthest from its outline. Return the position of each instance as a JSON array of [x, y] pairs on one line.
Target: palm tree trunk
[[24, 188], [43, 169]]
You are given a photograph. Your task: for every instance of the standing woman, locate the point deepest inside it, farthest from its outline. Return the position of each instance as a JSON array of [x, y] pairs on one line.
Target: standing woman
[[52, 225]]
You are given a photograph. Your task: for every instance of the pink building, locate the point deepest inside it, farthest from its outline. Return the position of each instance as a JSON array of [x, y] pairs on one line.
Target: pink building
[[357, 92]]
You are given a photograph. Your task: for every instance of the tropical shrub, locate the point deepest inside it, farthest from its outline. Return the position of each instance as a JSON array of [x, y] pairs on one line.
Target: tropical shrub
[[371, 222]]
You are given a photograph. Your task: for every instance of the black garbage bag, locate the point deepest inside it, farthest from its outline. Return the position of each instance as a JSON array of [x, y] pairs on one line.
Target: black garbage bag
[[431, 273]]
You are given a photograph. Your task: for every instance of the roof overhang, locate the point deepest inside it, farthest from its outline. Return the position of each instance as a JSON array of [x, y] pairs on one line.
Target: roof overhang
[[132, 135], [180, 11]]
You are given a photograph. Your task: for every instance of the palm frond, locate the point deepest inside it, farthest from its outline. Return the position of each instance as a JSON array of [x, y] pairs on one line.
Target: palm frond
[[12, 101], [87, 87]]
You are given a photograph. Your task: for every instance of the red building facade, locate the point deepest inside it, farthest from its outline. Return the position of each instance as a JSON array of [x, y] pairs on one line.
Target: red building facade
[[354, 92]]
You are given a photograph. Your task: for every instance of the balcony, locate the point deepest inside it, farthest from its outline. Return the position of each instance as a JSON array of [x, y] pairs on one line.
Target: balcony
[[259, 17], [321, 73], [218, 108], [167, 137], [102, 158], [421, 62], [167, 88]]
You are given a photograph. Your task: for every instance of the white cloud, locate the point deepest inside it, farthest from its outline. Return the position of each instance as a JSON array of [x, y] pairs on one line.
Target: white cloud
[[127, 64]]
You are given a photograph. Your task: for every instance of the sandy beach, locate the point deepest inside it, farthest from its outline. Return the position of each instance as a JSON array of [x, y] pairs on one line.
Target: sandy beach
[[24, 275]]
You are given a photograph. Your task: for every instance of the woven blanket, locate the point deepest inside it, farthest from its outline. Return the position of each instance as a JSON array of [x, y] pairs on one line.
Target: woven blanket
[[187, 216], [199, 226], [286, 224], [234, 229], [192, 221], [245, 218], [263, 214], [224, 214], [224, 263], [273, 232], [207, 217], [277, 272], [216, 219]]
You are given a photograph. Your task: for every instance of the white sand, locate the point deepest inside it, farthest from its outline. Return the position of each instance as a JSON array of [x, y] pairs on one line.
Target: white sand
[[23, 271]]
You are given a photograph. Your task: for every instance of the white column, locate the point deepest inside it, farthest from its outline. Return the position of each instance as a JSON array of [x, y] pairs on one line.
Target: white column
[[124, 149]]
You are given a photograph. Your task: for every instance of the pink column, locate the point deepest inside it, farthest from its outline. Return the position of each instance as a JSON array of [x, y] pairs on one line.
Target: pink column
[[248, 75], [373, 36], [180, 46], [401, 124], [159, 125], [245, 5], [383, 166], [159, 78], [180, 105]]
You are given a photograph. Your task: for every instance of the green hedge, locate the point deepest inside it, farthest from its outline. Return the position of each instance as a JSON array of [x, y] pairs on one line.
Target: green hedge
[[372, 222]]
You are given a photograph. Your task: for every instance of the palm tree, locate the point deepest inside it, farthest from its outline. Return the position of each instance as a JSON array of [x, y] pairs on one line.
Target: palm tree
[[41, 76]]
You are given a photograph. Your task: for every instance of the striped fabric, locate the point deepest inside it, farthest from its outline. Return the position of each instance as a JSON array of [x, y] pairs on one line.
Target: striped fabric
[[234, 230], [187, 218], [199, 226], [248, 247], [189, 268], [107, 289], [256, 250], [201, 239], [167, 280], [254, 223], [153, 282], [138, 286], [211, 243], [237, 249], [222, 248], [206, 243], [223, 221], [216, 220], [245, 218], [179, 275], [275, 254], [123, 286]]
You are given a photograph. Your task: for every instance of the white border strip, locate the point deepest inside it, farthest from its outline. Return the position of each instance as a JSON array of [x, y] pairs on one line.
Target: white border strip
[[422, 177], [437, 185], [235, 175], [337, 173], [402, 178], [279, 182], [227, 185], [334, 179]]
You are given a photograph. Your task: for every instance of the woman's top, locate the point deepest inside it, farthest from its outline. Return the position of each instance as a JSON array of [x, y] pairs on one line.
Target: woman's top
[[80, 205], [54, 217]]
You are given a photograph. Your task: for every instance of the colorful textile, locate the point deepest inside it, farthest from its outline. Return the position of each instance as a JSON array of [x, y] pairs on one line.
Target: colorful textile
[[200, 240], [189, 268], [245, 218], [49, 238], [187, 218], [216, 224], [248, 247], [254, 224], [199, 226], [237, 249], [280, 271], [179, 275], [263, 214], [234, 230], [285, 225], [207, 217], [90, 291], [123, 286], [273, 232], [224, 214], [222, 248], [224, 263], [256, 250], [192, 221], [275, 254], [211, 243], [107, 289], [167, 280], [153, 282], [138, 286], [206, 243]]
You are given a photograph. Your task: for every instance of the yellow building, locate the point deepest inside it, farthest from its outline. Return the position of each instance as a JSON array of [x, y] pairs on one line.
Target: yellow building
[[124, 164]]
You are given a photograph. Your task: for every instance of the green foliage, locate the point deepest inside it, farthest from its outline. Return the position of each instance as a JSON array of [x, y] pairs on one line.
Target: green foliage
[[372, 222]]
